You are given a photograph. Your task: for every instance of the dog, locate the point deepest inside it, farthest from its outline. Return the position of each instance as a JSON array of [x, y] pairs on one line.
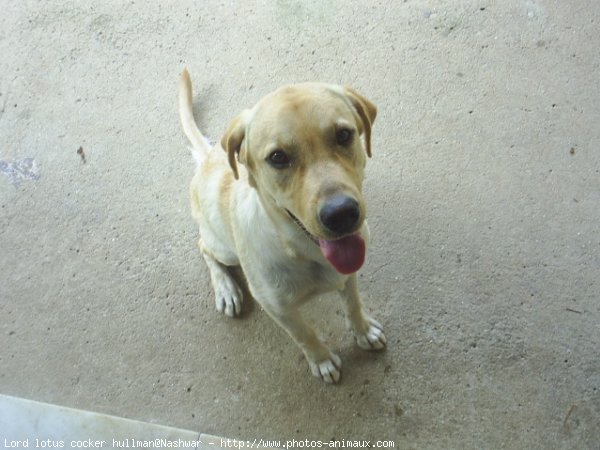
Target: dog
[[280, 196]]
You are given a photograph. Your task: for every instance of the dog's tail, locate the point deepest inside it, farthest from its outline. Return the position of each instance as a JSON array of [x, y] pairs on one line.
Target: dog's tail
[[200, 145]]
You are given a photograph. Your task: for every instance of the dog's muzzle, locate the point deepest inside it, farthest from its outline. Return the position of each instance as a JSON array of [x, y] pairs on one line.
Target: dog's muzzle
[[302, 227], [340, 215]]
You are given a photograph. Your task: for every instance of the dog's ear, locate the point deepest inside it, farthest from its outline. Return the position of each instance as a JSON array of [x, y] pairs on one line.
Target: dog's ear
[[367, 112], [233, 139]]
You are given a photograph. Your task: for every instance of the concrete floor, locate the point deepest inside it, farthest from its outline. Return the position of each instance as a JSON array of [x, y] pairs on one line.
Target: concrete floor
[[484, 205]]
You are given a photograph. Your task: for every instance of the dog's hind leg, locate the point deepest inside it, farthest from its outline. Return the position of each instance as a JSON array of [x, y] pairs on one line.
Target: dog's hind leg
[[367, 331], [228, 295]]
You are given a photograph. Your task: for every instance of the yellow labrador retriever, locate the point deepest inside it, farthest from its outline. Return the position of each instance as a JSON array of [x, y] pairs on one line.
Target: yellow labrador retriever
[[291, 214]]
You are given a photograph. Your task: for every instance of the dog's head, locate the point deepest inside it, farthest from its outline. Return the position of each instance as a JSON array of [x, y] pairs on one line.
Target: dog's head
[[303, 149]]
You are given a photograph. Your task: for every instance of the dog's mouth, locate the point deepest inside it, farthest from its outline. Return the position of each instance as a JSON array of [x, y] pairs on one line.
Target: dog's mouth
[[345, 254]]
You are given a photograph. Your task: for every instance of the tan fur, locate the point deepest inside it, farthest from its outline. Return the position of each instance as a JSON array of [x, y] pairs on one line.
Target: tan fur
[[243, 206]]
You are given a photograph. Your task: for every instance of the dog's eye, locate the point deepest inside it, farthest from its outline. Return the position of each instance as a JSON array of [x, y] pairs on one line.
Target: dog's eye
[[344, 136], [279, 159]]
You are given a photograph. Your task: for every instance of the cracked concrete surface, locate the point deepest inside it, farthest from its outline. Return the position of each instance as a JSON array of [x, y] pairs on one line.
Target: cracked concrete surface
[[484, 205]]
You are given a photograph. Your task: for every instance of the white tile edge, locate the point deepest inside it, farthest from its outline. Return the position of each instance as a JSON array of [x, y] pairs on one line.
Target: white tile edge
[[22, 418]]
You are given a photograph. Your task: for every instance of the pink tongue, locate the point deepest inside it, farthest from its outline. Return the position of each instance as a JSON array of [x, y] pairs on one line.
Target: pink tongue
[[347, 254]]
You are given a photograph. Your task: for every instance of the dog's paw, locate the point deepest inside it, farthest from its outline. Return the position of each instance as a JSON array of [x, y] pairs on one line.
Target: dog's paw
[[228, 297], [373, 339], [329, 370]]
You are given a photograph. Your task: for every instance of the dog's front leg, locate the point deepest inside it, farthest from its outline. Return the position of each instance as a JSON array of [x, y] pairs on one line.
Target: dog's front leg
[[323, 363], [368, 332]]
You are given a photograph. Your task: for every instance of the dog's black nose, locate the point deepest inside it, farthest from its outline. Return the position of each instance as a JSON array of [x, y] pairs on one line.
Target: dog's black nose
[[340, 214]]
